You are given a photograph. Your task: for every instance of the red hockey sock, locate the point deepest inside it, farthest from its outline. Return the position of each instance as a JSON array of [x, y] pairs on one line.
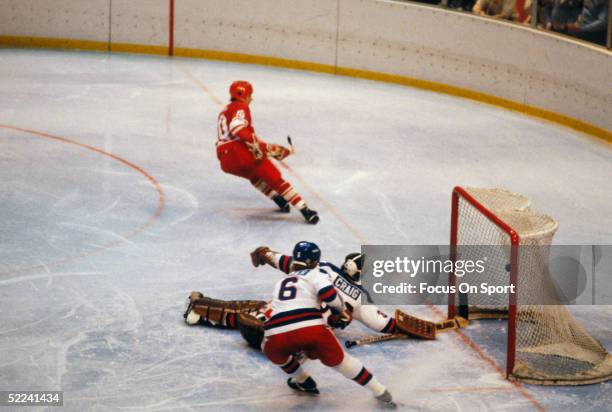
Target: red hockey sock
[[263, 187], [390, 327], [291, 196], [293, 368], [352, 368]]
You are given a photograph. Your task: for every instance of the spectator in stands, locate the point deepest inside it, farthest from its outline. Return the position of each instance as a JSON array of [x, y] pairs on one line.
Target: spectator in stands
[[556, 14], [545, 8], [466, 5], [592, 23], [503, 9], [493, 8]]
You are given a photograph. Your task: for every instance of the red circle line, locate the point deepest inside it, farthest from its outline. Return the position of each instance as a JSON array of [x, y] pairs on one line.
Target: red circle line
[[158, 211]]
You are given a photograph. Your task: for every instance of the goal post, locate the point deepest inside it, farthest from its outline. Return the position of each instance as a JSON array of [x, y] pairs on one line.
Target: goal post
[[545, 344], [461, 193]]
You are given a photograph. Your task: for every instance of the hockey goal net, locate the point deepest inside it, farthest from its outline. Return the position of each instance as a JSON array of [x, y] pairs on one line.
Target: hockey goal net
[[545, 344]]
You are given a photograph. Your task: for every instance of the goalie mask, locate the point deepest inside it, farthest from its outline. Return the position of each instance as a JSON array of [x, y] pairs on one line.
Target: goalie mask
[[353, 263]]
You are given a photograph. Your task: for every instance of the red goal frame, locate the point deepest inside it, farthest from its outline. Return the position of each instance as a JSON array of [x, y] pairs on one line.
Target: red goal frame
[[459, 192]]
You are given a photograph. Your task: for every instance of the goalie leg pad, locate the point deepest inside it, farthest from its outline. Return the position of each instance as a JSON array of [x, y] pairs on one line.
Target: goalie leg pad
[[218, 312], [192, 318]]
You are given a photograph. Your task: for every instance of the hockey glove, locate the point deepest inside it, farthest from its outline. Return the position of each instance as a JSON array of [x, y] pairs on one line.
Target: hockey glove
[[258, 256], [277, 151], [340, 320]]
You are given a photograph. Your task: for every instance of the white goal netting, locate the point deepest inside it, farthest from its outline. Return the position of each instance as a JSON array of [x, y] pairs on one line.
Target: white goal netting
[[551, 347]]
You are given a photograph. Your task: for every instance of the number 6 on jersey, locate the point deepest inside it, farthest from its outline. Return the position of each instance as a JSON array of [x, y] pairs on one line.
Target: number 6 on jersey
[[287, 291]]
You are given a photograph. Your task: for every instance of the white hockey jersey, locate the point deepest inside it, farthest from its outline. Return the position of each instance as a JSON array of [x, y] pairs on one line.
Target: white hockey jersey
[[350, 293], [297, 301]]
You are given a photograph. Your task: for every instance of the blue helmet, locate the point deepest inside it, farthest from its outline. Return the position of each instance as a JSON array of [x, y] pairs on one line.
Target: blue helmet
[[306, 252]]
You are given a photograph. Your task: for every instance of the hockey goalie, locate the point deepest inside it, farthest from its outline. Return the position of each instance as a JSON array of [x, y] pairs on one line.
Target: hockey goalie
[[249, 315]]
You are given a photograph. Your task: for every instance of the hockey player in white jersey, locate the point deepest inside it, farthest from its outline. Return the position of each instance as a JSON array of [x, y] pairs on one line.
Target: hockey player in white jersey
[[248, 315], [346, 280], [296, 325]]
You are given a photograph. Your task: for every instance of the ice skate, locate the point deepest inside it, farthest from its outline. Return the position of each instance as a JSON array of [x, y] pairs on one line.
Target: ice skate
[[387, 400], [308, 386], [310, 215], [282, 204]]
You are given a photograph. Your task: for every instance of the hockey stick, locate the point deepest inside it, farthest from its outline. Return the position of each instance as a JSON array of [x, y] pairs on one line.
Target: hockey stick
[[443, 326], [291, 147], [374, 339]]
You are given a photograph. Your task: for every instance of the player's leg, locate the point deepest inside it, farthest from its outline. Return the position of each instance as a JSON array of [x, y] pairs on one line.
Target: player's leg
[[236, 159], [270, 174], [264, 188], [298, 378], [280, 351], [329, 351], [353, 369]]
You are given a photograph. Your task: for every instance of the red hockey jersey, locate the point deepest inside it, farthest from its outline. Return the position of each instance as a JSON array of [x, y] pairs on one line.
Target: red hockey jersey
[[235, 123]]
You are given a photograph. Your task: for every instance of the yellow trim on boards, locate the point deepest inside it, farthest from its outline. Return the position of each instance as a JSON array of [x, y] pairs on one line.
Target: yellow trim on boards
[[579, 125], [567, 121], [50, 43], [138, 48], [254, 59], [532, 111]]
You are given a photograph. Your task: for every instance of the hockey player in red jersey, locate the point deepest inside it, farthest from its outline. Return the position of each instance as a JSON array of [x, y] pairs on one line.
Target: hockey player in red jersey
[[243, 154], [297, 325]]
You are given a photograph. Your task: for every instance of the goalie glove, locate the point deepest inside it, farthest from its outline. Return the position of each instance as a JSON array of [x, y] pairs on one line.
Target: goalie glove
[[277, 151], [261, 256]]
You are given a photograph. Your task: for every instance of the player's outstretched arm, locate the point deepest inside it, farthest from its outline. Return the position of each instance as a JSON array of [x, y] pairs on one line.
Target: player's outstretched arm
[[263, 255]]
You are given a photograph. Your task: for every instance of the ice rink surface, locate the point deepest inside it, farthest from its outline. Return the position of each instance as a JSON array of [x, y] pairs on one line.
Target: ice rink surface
[[113, 208]]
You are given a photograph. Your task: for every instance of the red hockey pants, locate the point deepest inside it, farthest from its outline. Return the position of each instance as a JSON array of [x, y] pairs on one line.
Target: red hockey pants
[[318, 342], [236, 159]]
